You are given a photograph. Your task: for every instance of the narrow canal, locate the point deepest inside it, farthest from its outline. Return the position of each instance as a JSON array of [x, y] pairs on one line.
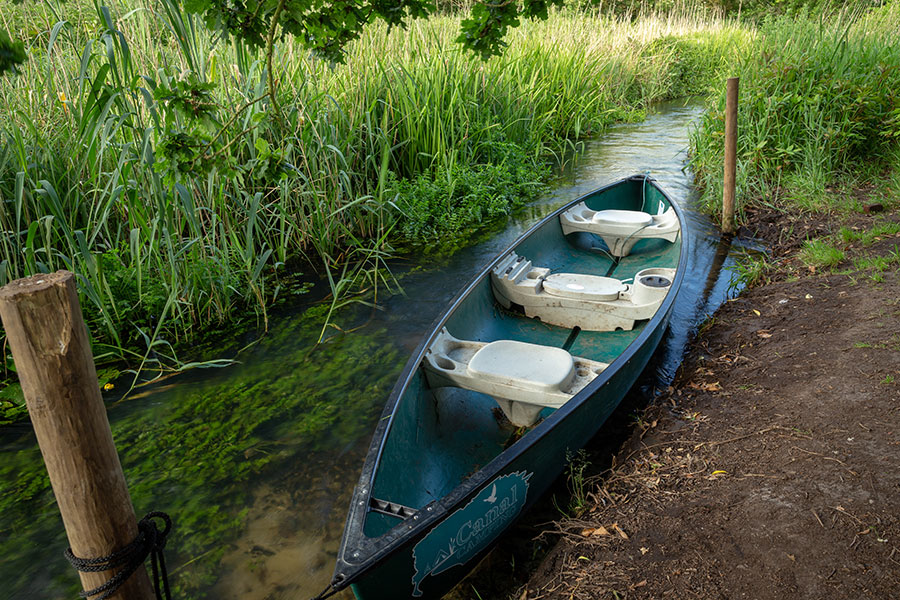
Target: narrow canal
[[256, 461]]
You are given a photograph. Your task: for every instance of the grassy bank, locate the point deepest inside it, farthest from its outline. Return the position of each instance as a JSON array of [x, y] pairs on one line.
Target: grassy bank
[[140, 153], [819, 110]]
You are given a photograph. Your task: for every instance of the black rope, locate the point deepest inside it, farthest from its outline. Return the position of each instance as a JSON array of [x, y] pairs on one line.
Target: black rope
[[150, 541], [328, 592]]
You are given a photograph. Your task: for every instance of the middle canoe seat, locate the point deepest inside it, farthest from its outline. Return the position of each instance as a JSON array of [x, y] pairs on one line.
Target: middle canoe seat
[[591, 302], [523, 378], [620, 229]]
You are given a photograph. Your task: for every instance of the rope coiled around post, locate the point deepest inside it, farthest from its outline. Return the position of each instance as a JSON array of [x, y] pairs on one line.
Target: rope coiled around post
[[150, 541]]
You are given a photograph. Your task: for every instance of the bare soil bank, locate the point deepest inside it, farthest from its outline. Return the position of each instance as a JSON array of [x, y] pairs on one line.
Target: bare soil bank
[[771, 468]]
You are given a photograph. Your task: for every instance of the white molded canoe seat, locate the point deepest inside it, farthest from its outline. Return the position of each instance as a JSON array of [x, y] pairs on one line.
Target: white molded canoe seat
[[629, 219], [508, 362], [620, 229], [590, 302], [584, 287], [523, 378]]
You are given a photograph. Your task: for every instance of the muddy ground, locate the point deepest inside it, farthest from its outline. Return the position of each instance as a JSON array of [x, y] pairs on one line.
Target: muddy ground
[[771, 467]]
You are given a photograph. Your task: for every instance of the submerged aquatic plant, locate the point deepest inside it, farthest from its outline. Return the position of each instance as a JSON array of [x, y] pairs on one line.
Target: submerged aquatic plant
[[199, 454]]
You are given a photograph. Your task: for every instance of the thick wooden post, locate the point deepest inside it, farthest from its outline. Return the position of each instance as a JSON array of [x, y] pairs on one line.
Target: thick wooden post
[[731, 112], [49, 343]]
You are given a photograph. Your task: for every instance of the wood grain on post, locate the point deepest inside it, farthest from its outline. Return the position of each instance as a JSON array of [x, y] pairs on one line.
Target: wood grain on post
[[731, 113], [49, 343]]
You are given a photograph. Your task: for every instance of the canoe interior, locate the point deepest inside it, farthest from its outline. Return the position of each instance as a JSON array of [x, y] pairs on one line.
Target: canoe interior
[[440, 437]]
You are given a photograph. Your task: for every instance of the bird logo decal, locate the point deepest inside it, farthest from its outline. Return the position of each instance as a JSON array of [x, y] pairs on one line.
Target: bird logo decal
[[493, 497]]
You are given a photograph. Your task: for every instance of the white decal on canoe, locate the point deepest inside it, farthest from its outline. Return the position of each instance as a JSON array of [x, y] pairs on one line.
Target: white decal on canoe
[[462, 535]]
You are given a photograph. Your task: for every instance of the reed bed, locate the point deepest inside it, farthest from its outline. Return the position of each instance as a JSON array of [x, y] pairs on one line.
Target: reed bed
[[819, 107], [411, 140]]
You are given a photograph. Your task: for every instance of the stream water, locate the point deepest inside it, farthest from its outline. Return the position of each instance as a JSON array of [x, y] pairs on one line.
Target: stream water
[[256, 462]]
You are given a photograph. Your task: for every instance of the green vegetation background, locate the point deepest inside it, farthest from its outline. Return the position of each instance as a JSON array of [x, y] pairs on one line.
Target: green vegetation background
[[142, 153]]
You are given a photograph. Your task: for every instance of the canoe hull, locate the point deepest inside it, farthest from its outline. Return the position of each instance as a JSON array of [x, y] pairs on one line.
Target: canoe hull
[[432, 563], [444, 477]]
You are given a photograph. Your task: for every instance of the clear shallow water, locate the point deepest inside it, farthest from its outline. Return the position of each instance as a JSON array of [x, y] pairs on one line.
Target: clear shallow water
[[256, 462]]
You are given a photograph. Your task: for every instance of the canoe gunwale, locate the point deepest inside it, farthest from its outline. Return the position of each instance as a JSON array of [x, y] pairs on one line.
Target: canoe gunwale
[[372, 551]]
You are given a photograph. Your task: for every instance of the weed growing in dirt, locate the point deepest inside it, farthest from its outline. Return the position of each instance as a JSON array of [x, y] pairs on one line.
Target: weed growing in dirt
[[877, 265], [750, 270], [869, 236], [577, 464], [706, 325], [818, 253]]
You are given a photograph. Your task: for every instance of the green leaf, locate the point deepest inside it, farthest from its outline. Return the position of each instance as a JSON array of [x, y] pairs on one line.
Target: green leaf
[[12, 53]]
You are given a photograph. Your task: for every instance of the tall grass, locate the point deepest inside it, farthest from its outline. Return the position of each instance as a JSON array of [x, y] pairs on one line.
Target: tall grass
[[360, 157], [819, 101]]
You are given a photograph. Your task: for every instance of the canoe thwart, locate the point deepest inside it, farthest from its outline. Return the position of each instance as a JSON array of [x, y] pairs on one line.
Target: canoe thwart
[[523, 378], [620, 229], [590, 302]]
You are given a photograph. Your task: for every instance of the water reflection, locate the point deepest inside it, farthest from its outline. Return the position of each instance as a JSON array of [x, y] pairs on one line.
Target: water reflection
[[296, 424]]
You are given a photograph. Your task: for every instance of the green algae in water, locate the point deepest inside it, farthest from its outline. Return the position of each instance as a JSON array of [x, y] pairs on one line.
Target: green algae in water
[[199, 450]]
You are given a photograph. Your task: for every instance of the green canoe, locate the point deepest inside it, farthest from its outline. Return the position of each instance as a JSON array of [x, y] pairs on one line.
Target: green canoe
[[524, 367]]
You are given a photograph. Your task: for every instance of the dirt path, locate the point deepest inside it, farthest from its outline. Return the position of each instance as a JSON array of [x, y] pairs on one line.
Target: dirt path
[[771, 468]]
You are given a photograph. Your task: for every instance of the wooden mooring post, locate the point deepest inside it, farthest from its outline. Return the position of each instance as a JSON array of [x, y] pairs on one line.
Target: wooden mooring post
[[731, 113], [49, 343]]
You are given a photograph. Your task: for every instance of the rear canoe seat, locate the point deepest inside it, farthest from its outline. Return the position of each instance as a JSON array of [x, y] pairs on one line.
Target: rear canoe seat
[[523, 378], [590, 302], [620, 229]]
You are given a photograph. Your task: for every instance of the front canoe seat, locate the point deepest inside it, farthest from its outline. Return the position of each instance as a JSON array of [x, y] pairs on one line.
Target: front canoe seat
[[523, 378], [591, 302], [620, 229]]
